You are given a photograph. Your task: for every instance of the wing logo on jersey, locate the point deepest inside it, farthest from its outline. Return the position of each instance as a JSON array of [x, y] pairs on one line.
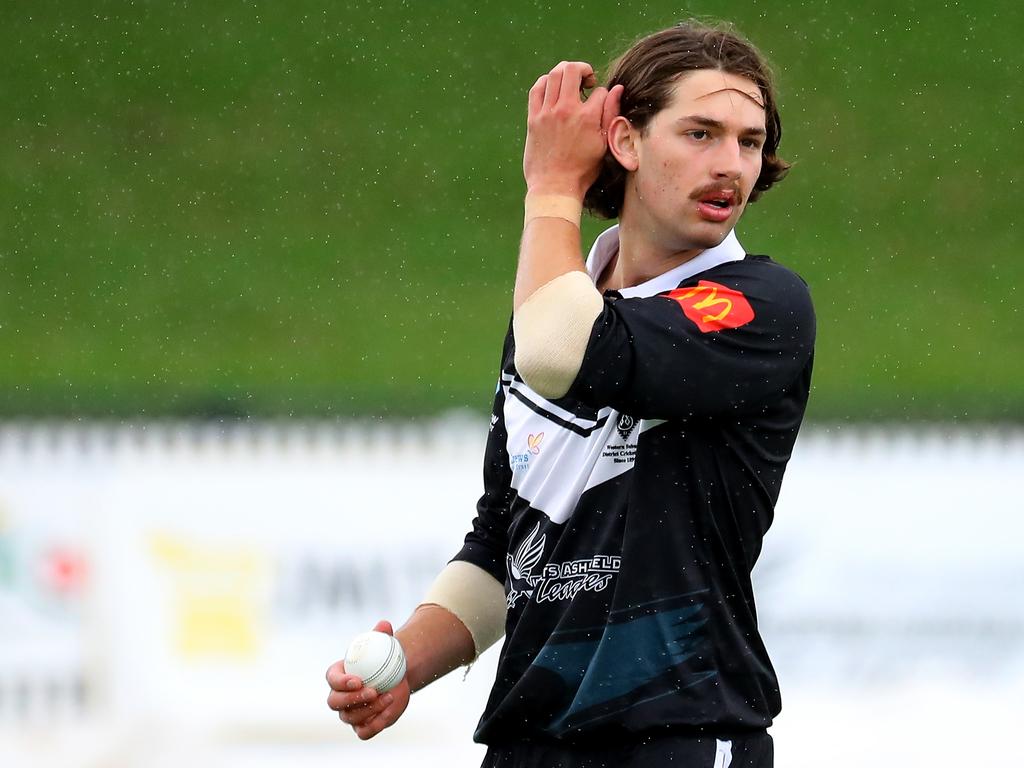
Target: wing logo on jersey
[[520, 567], [534, 442], [713, 306]]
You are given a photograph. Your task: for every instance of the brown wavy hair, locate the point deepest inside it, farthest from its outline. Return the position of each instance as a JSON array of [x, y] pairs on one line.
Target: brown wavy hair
[[648, 71]]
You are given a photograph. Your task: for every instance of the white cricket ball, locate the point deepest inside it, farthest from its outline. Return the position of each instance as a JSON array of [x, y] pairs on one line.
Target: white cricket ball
[[377, 659]]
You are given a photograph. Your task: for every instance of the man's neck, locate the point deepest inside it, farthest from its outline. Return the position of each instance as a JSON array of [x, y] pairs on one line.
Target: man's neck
[[641, 257]]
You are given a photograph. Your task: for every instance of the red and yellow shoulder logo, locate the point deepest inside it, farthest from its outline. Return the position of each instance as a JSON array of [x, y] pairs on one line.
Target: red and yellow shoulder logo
[[713, 306]]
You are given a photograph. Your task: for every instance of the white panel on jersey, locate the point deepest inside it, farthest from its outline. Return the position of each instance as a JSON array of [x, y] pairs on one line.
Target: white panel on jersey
[[555, 456]]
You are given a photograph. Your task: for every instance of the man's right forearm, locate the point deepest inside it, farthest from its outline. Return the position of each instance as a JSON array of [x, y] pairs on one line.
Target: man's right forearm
[[435, 642]]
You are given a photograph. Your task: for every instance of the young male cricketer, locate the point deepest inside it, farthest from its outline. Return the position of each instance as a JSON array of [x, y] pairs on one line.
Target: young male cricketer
[[648, 403]]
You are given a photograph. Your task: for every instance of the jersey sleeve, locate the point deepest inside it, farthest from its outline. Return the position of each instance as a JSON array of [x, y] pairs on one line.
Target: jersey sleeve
[[487, 543], [726, 342]]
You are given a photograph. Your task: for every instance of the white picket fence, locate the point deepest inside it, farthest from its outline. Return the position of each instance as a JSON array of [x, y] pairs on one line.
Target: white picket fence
[[174, 592]]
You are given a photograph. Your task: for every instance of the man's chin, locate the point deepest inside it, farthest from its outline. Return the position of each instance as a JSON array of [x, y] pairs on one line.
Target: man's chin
[[717, 239], [707, 236]]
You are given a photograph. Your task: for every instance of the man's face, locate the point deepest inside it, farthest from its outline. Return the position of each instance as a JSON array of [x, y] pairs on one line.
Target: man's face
[[699, 159]]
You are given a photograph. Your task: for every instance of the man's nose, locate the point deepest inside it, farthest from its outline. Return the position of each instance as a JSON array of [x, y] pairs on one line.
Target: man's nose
[[727, 161]]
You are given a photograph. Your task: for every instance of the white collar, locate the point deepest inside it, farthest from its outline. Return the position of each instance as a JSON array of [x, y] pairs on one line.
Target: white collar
[[607, 245]]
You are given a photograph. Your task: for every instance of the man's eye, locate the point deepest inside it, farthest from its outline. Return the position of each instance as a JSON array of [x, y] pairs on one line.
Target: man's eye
[[752, 143], [700, 134]]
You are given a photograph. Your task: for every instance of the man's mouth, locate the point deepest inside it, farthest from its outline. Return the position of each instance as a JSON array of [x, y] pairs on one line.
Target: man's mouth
[[719, 197], [716, 205]]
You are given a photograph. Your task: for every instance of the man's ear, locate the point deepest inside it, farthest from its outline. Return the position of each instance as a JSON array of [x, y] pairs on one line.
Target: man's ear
[[622, 137]]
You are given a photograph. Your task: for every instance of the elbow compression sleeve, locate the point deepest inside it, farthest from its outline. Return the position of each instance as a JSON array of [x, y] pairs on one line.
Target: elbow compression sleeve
[[552, 329], [475, 597]]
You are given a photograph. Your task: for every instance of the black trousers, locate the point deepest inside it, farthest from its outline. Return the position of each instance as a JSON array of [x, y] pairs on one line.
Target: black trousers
[[748, 751]]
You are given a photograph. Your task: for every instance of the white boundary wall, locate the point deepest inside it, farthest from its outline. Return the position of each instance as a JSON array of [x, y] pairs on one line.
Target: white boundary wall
[[173, 593]]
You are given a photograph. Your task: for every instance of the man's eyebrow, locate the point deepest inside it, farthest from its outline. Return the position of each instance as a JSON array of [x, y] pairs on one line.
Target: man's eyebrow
[[710, 122]]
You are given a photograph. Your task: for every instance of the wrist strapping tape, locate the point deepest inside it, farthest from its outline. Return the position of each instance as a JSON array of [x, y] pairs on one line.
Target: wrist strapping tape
[[538, 206]]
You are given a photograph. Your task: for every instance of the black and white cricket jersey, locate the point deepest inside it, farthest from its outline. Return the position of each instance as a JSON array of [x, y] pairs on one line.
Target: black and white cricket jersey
[[624, 518]]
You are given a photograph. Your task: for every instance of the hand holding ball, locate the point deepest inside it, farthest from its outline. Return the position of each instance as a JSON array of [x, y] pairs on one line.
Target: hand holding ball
[[377, 659]]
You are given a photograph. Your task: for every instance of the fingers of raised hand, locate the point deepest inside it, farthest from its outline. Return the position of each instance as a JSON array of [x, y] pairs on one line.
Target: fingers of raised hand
[[611, 107], [536, 97], [596, 100], [553, 86], [576, 75], [565, 80]]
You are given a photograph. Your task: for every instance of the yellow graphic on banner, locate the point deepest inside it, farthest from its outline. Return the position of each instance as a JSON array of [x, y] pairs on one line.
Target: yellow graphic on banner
[[219, 596]]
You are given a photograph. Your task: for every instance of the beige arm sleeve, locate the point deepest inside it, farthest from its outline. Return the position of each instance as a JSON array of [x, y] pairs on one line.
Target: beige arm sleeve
[[475, 597], [552, 329]]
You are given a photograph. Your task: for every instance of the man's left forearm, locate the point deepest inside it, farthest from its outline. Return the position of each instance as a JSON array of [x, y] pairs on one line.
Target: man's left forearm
[[550, 248]]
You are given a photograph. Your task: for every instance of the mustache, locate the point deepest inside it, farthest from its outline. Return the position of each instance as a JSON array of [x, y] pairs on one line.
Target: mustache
[[710, 189]]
